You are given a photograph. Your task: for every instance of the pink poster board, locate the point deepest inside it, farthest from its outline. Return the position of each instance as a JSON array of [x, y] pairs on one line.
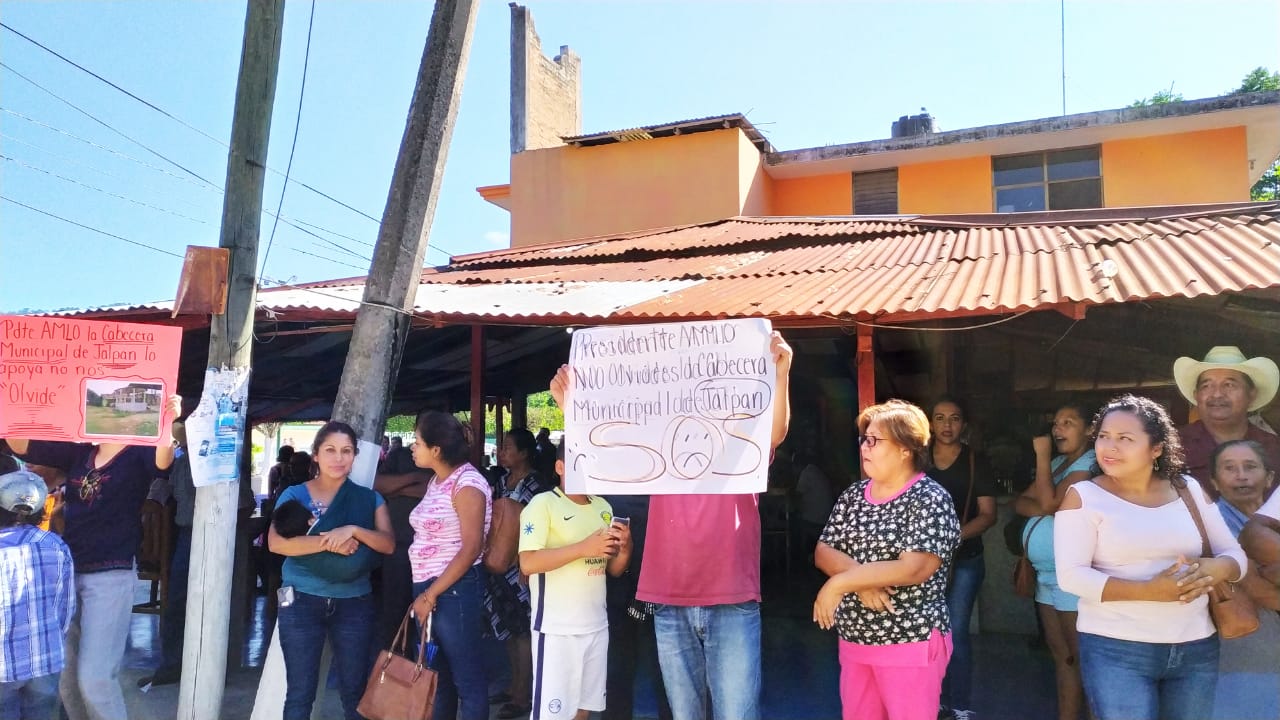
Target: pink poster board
[[86, 380]]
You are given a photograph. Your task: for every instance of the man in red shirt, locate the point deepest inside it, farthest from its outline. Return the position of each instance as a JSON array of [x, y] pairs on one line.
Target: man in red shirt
[[1225, 387]]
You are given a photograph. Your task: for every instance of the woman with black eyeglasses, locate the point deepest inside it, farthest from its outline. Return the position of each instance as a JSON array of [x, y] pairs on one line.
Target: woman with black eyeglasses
[[106, 486], [887, 549]]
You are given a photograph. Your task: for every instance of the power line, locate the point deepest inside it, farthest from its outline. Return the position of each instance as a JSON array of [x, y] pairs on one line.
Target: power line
[[185, 124], [84, 69], [108, 126], [292, 222], [297, 124], [91, 229], [98, 189], [145, 245], [113, 151], [288, 221], [173, 117]]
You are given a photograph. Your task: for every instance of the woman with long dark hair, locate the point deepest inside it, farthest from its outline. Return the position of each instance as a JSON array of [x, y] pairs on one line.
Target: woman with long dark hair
[[506, 594], [966, 476], [1074, 462], [325, 578], [1127, 544], [450, 525]]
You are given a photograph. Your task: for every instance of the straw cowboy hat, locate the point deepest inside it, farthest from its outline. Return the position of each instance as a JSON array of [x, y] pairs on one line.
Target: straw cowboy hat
[[1263, 372]]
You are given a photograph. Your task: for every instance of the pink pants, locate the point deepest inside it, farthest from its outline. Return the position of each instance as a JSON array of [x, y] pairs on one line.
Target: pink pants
[[908, 689]]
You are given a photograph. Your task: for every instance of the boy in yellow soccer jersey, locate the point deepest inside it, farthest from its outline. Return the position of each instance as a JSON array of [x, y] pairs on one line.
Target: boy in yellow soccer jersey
[[567, 543]]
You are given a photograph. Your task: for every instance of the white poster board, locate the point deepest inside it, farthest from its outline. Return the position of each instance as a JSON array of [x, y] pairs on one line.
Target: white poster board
[[675, 409]]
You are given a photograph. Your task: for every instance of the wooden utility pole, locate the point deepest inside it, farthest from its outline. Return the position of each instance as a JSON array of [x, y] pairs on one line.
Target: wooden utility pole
[[213, 539], [382, 324]]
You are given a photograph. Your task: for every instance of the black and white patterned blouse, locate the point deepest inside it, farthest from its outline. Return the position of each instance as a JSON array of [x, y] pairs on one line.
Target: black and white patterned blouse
[[921, 519]]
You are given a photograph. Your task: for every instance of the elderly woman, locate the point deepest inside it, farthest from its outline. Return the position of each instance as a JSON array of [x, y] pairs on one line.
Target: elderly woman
[[450, 525], [326, 575], [1126, 543], [887, 549], [1249, 666], [1056, 607]]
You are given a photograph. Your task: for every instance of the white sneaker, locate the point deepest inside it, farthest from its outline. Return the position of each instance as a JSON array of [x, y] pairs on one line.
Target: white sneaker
[[964, 715]]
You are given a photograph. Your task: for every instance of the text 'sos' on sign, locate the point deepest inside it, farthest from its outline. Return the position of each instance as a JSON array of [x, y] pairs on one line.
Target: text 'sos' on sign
[[670, 409], [86, 380]]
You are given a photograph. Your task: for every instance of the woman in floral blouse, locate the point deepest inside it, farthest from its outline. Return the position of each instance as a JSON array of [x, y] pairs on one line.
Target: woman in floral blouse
[[886, 548]]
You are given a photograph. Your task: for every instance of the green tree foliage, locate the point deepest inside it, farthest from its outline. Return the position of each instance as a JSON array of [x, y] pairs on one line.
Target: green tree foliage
[[1258, 80], [1160, 98], [92, 398], [541, 411]]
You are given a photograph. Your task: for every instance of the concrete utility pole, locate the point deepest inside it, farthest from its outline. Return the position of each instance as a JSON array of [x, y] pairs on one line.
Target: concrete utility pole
[[213, 540], [382, 324]]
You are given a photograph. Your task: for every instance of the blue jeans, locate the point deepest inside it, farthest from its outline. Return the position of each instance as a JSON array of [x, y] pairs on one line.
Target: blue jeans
[[173, 622], [457, 626], [966, 580], [1126, 680], [710, 652], [304, 625], [34, 699]]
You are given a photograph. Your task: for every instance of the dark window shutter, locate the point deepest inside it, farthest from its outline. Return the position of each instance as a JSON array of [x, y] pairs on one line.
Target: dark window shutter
[[875, 193]]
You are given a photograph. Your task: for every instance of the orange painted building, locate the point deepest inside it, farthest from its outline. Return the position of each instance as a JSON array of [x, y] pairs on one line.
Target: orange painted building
[[1198, 151]]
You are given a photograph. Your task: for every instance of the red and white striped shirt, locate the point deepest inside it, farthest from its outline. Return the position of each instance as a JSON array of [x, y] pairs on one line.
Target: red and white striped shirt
[[437, 533]]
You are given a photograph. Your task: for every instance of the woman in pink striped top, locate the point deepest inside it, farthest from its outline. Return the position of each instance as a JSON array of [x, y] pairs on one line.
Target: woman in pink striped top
[[449, 526]]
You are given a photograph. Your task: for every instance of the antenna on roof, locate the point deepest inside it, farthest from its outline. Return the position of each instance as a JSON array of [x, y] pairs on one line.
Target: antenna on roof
[[1062, 24]]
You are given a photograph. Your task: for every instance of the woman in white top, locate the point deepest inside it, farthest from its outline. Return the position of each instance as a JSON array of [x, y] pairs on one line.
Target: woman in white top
[[1126, 543]]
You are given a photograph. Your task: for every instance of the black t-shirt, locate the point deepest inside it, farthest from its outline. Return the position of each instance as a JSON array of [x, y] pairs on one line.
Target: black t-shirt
[[955, 479]]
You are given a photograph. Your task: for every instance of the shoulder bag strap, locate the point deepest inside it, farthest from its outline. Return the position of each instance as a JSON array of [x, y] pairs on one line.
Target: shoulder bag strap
[[1185, 494], [1026, 537], [968, 496]]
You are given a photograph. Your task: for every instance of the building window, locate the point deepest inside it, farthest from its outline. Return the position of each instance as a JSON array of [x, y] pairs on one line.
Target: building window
[[1057, 180], [875, 193]]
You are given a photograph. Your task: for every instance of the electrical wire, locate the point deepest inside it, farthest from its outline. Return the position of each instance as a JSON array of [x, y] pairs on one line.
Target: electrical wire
[[100, 190], [293, 146], [187, 125], [91, 229], [108, 126]]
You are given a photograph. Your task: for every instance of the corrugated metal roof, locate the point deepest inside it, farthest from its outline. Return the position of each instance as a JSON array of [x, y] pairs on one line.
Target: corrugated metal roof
[[824, 270], [648, 132]]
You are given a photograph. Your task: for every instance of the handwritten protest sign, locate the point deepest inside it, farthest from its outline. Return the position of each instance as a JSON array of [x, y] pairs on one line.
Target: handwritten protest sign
[[86, 380], [670, 409]]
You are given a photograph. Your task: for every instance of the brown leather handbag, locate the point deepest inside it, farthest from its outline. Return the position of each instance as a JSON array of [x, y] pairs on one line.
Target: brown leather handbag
[[400, 688], [1233, 613], [1024, 573]]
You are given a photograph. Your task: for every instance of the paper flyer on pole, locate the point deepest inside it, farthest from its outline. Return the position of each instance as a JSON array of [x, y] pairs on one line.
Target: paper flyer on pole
[[682, 408], [86, 380], [216, 428]]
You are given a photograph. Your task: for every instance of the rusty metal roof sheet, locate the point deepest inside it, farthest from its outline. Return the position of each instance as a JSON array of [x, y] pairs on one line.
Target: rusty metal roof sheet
[[648, 132], [835, 270]]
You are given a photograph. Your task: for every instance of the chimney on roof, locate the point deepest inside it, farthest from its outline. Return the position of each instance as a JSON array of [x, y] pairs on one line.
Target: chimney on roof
[[546, 93], [912, 125]]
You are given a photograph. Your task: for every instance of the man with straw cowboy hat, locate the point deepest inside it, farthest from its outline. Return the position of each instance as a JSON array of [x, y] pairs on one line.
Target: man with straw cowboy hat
[[1224, 388]]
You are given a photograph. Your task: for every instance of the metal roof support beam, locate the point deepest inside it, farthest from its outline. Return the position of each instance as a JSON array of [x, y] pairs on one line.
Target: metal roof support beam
[[477, 393], [865, 360]]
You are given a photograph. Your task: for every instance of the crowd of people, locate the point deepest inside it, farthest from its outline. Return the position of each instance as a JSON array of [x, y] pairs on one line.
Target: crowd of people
[[1132, 523]]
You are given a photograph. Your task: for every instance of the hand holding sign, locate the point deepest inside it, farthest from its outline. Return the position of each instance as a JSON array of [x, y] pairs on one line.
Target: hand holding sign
[[672, 409], [85, 380]]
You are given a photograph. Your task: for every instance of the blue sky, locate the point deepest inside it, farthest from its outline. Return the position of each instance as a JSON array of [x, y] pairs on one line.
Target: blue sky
[[806, 73]]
